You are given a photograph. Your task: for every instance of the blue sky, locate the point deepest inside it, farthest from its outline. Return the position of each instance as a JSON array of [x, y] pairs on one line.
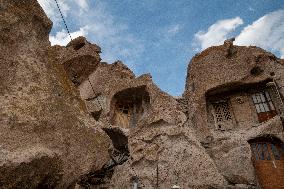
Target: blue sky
[[161, 36]]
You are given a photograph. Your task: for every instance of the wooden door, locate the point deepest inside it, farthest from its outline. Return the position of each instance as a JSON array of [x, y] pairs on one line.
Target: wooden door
[[268, 161]]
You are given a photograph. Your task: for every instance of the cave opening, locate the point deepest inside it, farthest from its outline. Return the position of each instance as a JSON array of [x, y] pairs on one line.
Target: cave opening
[[129, 106]]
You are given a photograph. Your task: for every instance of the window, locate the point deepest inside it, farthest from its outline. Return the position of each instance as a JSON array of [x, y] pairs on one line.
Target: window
[[222, 114], [129, 106], [263, 105], [262, 102], [266, 151], [123, 113], [222, 111], [276, 152], [124, 108]]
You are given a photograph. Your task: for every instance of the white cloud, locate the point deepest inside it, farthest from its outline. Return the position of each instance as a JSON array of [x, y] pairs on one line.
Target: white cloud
[[173, 30], [50, 8], [167, 33], [83, 4], [267, 32], [218, 32], [62, 37], [98, 25], [66, 7], [282, 53], [112, 36]]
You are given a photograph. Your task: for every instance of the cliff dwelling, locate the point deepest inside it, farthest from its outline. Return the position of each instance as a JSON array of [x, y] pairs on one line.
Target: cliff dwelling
[[129, 106], [226, 105], [71, 121]]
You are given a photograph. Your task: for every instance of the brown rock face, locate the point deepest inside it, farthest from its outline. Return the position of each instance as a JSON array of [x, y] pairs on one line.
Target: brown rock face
[[80, 58], [120, 131], [46, 138], [176, 140], [222, 88], [156, 127]]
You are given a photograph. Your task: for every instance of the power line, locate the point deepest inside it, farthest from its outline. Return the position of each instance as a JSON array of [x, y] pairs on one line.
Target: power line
[[63, 19], [77, 54], [88, 76]]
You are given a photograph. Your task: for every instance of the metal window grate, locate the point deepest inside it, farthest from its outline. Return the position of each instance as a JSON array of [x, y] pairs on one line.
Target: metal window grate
[[222, 111]]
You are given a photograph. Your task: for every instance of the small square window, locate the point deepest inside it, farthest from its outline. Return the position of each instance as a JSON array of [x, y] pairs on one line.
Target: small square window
[[263, 105], [125, 111], [222, 111]]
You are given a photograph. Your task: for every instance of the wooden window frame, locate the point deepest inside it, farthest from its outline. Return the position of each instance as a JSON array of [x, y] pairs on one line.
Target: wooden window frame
[[264, 106]]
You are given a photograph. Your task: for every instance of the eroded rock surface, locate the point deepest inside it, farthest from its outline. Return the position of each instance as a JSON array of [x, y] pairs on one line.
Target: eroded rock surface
[[69, 120], [221, 105], [162, 146], [47, 140]]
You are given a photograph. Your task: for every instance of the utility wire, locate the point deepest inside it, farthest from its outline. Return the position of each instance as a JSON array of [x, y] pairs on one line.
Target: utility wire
[[77, 53], [63, 19], [87, 77]]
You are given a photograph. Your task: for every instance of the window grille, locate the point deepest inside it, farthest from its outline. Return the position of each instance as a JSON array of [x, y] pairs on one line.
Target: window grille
[[222, 111]]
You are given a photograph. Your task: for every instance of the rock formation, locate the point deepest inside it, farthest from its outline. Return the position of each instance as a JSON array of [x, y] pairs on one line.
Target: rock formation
[[158, 138], [47, 140], [233, 74], [69, 120]]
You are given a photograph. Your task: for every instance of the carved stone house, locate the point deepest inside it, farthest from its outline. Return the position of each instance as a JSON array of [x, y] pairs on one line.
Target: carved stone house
[[71, 121], [129, 106], [237, 110], [243, 106]]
